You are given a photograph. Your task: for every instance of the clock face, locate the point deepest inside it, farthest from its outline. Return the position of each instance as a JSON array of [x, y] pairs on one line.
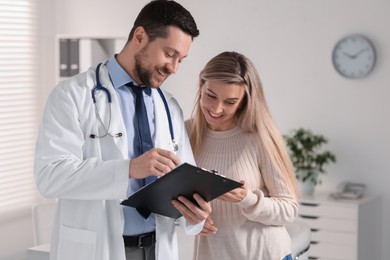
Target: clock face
[[354, 56]]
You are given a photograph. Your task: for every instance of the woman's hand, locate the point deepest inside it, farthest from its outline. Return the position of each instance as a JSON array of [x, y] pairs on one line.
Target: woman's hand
[[235, 195], [209, 228]]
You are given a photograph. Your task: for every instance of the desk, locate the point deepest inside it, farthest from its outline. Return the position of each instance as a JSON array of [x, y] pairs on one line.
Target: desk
[[41, 252]]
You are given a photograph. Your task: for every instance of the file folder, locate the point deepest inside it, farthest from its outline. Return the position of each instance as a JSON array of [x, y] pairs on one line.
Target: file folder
[[64, 58], [69, 57], [184, 180], [74, 58]]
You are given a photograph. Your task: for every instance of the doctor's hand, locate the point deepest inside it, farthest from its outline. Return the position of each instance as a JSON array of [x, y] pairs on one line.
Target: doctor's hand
[[154, 162], [235, 195], [194, 214]]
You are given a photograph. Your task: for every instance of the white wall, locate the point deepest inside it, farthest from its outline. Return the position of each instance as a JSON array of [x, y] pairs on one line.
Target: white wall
[[16, 235], [290, 42]]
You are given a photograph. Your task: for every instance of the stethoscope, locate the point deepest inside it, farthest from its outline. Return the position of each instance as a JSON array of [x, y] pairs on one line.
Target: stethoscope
[[99, 86]]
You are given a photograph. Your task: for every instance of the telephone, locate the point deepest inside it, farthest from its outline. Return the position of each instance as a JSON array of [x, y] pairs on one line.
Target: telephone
[[349, 190]]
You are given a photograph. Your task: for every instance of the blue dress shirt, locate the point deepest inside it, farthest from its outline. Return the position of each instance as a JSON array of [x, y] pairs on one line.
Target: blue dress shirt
[[134, 223]]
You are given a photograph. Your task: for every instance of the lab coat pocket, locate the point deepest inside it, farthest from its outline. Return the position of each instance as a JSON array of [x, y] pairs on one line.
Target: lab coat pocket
[[76, 244]]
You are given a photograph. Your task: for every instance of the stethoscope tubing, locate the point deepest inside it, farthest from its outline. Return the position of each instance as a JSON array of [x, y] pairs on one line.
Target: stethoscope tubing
[[175, 146], [99, 86]]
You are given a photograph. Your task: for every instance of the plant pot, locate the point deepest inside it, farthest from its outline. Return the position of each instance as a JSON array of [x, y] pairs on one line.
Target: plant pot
[[311, 178], [306, 188]]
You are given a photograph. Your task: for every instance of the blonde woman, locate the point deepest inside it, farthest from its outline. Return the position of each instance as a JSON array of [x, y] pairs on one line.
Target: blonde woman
[[231, 130]]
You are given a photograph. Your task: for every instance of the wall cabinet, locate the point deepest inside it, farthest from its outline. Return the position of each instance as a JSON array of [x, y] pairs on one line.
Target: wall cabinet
[[342, 229], [75, 54]]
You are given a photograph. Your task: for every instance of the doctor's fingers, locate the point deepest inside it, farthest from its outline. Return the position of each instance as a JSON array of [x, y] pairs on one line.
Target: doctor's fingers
[[165, 161], [186, 212], [193, 213], [147, 164], [165, 154], [157, 162], [160, 169], [206, 206]]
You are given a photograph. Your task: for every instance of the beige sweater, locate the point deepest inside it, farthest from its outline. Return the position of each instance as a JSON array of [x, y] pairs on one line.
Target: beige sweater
[[253, 228]]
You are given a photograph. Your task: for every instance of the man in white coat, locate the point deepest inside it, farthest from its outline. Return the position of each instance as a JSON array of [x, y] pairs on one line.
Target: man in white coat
[[86, 153]]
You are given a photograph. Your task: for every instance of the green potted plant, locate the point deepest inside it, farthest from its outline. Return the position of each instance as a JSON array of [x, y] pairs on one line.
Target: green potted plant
[[308, 158]]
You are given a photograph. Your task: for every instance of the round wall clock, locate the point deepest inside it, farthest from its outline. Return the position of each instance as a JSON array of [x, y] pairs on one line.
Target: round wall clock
[[354, 56]]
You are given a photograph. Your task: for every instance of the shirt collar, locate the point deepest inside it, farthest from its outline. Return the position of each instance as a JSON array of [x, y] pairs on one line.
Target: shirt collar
[[118, 75]]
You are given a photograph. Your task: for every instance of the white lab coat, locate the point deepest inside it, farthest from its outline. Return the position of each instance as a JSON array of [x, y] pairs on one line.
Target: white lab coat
[[90, 176]]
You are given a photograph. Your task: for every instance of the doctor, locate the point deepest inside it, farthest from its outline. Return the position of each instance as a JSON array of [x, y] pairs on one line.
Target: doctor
[[86, 152]]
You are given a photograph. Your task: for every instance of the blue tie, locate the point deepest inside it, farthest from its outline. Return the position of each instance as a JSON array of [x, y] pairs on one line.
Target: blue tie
[[142, 138]]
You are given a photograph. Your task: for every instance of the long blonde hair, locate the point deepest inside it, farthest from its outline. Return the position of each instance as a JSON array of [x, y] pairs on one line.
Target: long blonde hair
[[252, 117]]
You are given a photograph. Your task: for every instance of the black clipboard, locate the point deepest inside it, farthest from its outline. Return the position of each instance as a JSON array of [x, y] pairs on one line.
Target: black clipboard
[[184, 180]]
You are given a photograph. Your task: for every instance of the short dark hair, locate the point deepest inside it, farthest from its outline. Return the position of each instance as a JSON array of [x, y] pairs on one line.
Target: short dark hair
[[157, 15]]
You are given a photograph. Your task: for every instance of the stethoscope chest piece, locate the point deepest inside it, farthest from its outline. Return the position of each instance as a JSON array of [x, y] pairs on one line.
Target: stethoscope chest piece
[[175, 146]]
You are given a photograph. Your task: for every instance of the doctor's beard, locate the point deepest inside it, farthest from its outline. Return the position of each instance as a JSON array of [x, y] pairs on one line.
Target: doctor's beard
[[146, 75]]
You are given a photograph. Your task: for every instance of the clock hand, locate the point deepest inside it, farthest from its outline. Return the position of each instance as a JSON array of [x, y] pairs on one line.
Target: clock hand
[[348, 55], [358, 53]]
